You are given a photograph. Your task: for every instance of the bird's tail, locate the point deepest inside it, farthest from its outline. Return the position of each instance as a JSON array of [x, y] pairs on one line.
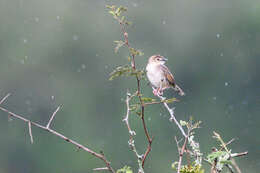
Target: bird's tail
[[179, 90]]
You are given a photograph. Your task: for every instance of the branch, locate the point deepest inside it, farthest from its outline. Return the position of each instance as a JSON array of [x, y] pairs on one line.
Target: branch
[[30, 131], [131, 132], [53, 115], [78, 145], [181, 152], [133, 64], [172, 116]]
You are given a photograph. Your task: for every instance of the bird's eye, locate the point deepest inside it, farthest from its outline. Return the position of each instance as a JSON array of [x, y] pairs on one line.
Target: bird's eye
[[158, 59]]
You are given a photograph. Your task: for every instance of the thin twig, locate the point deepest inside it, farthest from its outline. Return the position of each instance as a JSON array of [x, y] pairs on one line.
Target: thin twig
[[181, 152], [95, 154], [133, 64], [226, 144], [30, 131], [131, 132], [229, 168], [101, 169], [172, 116], [3, 99], [152, 103], [53, 115], [239, 154]]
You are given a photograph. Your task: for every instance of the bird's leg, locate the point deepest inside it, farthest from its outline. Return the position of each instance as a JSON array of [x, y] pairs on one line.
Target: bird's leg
[[160, 90], [155, 91]]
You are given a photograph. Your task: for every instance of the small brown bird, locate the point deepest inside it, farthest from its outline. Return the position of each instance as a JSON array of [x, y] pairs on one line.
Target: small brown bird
[[160, 76]]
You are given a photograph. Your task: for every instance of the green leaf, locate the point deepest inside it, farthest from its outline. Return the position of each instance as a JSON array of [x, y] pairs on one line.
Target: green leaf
[[183, 123], [125, 169], [148, 99], [119, 44], [126, 70], [215, 155], [136, 52], [134, 107], [119, 71], [112, 12], [170, 100]]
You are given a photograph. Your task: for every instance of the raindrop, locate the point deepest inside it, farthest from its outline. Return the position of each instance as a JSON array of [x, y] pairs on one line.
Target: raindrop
[[22, 61], [163, 22], [36, 19], [83, 66], [226, 83], [52, 97], [149, 119], [28, 102], [75, 37], [218, 35], [214, 98], [135, 4], [58, 17], [25, 40], [106, 66], [221, 54]]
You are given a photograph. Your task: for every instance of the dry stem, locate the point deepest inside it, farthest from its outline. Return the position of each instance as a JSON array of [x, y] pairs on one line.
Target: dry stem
[[133, 64], [46, 128]]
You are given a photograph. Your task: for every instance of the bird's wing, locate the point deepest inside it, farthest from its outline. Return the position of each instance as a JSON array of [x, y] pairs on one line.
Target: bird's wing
[[168, 75]]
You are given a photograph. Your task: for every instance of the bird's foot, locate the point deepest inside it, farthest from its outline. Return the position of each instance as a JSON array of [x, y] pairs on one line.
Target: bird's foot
[[157, 92]]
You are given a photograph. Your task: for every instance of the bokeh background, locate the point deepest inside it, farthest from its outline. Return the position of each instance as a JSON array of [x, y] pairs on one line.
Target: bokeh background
[[61, 53]]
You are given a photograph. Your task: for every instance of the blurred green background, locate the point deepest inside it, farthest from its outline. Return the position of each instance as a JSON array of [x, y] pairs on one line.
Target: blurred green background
[[61, 53]]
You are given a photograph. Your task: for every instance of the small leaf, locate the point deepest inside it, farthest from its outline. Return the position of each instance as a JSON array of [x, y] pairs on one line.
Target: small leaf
[[183, 123], [112, 12], [119, 44], [125, 169], [147, 99], [119, 71], [135, 52], [170, 100]]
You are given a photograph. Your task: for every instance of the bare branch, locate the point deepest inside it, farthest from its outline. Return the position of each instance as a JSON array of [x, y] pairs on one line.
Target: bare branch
[[3, 99], [181, 154], [30, 131], [172, 116], [131, 132], [52, 117], [101, 169], [239, 154], [78, 145]]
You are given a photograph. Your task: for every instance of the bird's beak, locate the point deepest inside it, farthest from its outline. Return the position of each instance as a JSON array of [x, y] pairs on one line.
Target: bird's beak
[[164, 59]]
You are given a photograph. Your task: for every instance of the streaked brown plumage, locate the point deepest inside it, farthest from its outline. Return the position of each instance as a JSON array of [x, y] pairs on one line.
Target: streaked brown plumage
[[160, 76]]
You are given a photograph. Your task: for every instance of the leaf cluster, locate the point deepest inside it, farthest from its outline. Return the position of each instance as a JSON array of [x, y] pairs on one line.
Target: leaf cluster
[[126, 70], [192, 168], [125, 169]]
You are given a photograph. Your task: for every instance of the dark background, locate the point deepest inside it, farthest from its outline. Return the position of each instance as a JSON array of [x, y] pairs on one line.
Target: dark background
[[61, 53]]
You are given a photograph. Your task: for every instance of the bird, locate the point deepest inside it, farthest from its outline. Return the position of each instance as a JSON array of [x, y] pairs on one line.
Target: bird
[[160, 76]]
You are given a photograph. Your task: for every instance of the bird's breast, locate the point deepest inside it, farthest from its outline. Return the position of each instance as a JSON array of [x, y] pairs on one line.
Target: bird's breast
[[155, 75]]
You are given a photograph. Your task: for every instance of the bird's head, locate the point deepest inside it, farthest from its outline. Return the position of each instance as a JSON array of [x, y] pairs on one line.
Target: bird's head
[[157, 59]]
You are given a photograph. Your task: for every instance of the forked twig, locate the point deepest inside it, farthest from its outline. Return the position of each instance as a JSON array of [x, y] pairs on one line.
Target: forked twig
[[46, 128]]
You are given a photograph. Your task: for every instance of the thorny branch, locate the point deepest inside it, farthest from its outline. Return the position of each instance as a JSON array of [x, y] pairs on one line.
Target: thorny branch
[[48, 129], [133, 64], [131, 141], [172, 116]]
